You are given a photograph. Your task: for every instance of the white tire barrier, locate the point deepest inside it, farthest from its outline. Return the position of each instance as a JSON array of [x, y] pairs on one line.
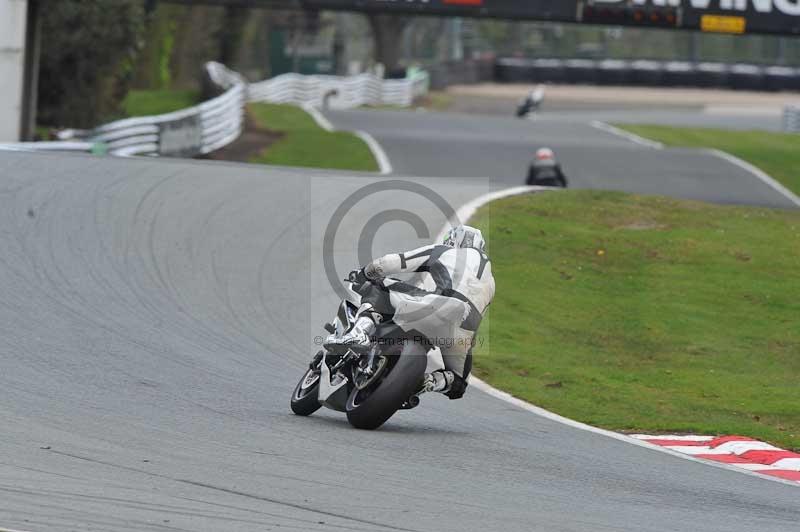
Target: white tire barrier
[[218, 122]]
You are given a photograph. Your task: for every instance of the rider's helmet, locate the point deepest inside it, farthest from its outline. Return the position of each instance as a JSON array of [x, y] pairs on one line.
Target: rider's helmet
[[545, 154], [464, 236]]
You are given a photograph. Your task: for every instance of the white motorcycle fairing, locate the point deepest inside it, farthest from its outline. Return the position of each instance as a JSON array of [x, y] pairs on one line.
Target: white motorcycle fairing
[[332, 392]]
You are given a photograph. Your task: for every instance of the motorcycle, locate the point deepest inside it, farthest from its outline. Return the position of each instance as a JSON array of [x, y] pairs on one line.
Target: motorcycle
[[531, 104], [546, 176], [369, 385]]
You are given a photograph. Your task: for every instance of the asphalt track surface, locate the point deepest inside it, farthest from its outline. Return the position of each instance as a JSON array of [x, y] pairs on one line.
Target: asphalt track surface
[[499, 148], [743, 117], [155, 317]]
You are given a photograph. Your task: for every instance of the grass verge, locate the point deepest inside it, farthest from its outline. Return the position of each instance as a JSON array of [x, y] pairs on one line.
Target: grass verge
[[304, 143], [156, 102], [777, 154], [646, 313]]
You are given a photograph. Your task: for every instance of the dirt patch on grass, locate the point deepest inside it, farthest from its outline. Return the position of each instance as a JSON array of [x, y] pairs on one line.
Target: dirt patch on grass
[[643, 225], [252, 142]]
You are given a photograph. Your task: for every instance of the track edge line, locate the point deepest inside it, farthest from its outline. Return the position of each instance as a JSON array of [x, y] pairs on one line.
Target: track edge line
[[377, 151], [627, 135], [757, 172], [381, 158]]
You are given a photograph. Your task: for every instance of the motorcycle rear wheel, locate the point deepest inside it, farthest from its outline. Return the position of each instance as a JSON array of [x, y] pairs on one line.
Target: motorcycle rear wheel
[[370, 408]]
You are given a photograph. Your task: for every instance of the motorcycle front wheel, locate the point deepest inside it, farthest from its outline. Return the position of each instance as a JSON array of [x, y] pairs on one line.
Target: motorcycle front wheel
[[305, 398]]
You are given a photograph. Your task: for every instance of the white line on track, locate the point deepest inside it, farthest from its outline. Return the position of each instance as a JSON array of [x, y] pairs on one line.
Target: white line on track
[[744, 165], [608, 128], [9, 530], [758, 467], [374, 146], [681, 437], [318, 117], [377, 151], [463, 215]]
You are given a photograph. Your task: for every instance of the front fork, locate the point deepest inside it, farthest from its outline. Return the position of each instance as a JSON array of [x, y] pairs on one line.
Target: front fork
[[332, 384]]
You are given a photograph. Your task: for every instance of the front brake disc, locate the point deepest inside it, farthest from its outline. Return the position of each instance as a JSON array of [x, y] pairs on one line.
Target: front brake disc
[[362, 379]]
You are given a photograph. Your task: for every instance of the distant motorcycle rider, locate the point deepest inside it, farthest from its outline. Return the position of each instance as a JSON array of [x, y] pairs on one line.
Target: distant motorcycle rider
[[531, 103], [449, 315], [545, 170]]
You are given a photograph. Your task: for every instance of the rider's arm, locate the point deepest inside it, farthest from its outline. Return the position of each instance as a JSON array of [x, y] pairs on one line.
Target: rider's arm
[[561, 175], [394, 263]]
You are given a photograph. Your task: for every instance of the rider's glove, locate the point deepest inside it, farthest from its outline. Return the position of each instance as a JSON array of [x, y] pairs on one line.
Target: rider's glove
[[357, 277]]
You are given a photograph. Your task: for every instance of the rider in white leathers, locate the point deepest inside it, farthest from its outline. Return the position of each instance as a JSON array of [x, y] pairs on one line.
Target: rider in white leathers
[[448, 315]]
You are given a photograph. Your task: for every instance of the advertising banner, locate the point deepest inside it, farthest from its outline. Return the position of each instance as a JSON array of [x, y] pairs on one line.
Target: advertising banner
[[719, 16]]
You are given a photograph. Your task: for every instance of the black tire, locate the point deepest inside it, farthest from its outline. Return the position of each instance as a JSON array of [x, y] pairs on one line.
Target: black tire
[[401, 383], [305, 401]]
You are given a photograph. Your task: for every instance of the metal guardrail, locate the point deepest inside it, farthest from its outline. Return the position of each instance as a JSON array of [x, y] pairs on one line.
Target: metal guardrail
[[791, 118], [57, 145], [185, 133], [649, 73], [193, 131], [218, 122], [340, 92]]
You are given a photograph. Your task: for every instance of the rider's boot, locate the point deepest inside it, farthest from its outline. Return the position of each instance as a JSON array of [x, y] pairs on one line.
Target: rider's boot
[[439, 381], [360, 334]]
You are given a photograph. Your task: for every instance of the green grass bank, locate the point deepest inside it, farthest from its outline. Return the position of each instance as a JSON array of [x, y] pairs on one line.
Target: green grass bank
[[646, 313], [304, 143], [156, 102]]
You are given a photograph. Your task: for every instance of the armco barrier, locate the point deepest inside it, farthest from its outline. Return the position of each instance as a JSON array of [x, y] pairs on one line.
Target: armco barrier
[[712, 74], [679, 74], [197, 130], [580, 71], [66, 145], [647, 73], [219, 121], [348, 92], [746, 77], [613, 72], [185, 133], [779, 78]]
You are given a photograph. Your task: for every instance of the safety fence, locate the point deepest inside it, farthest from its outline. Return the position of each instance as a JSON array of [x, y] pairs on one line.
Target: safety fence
[[341, 92], [648, 73], [791, 119], [219, 121]]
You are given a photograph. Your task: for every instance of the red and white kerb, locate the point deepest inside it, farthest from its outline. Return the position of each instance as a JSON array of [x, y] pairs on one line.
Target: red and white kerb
[[739, 451]]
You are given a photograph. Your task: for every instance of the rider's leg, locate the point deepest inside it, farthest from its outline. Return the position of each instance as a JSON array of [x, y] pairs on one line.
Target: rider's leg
[[377, 302], [360, 333], [457, 357], [438, 318]]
